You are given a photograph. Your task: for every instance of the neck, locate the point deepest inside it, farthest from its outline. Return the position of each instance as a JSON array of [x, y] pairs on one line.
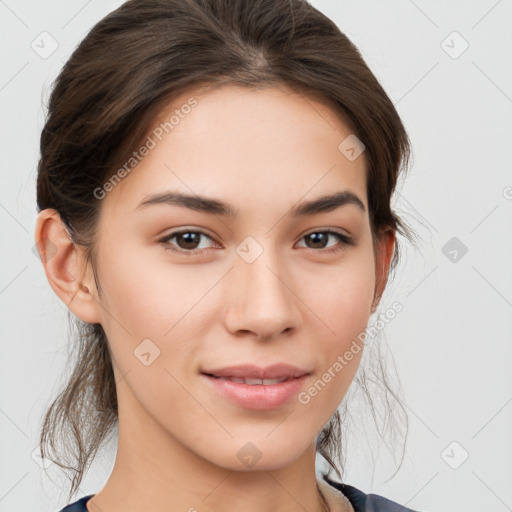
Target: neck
[[153, 468]]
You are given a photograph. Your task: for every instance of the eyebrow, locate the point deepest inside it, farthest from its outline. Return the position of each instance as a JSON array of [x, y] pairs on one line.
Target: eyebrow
[[208, 205]]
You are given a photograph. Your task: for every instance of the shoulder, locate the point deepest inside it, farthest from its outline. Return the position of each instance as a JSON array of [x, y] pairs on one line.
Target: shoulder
[[362, 502], [78, 506]]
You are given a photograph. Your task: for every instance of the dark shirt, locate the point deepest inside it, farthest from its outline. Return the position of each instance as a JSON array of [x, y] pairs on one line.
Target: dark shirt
[[360, 501]]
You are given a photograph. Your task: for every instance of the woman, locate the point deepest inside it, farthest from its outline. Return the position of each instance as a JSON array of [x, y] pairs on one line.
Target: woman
[[214, 209]]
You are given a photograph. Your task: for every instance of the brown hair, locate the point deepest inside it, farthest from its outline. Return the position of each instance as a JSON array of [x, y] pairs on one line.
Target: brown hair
[[115, 84]]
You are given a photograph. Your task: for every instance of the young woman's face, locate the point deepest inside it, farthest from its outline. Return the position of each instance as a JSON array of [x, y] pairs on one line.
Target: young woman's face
[[187, 290]]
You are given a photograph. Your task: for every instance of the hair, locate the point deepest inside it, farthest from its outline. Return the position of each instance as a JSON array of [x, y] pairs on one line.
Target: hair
[[118, 80]]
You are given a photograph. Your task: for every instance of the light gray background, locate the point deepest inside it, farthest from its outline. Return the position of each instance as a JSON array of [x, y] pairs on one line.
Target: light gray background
[[452, 341]]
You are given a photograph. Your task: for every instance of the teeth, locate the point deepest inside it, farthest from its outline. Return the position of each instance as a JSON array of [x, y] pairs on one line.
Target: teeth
[[254, 382], [266, 382]]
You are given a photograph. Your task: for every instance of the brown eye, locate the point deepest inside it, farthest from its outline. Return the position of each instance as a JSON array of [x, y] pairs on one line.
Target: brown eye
[[318, 240], [186, 241]]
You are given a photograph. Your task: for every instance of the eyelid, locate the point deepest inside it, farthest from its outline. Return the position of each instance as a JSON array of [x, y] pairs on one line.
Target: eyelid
[[337, 231]]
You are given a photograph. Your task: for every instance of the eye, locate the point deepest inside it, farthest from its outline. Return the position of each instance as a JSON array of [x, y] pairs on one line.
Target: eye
[[321, 238], [186, 240]]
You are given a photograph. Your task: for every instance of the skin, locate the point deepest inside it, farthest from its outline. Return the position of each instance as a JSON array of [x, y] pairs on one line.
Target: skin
[[262, 151]]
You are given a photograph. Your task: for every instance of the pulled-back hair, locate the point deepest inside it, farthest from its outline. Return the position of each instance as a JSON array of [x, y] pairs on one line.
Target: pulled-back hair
[[128, 68]]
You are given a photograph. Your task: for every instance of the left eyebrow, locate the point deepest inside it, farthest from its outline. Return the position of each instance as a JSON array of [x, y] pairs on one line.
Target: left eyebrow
[[328, 203], [212, 206]]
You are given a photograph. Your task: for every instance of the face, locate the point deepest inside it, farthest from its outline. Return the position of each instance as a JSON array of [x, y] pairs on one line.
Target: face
[[189, 289]]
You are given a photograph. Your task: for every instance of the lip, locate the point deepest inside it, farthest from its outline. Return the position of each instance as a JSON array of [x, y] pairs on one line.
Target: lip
[[274, 371], [258, 396]]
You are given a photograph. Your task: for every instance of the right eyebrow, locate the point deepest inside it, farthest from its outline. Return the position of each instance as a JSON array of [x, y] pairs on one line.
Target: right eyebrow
[[193, 202]]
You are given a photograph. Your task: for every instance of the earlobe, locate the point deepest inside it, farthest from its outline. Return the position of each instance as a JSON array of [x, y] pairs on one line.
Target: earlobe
[[384, 254], [64, 268]]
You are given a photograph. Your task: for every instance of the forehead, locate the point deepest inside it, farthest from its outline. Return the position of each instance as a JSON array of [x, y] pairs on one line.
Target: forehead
[[271, 144]]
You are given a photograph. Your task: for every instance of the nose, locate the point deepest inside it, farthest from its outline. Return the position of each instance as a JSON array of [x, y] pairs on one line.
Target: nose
[[261, 298]]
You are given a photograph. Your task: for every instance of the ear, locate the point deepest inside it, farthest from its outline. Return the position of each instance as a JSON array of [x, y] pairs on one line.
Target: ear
[[64, 265], [384, 250]]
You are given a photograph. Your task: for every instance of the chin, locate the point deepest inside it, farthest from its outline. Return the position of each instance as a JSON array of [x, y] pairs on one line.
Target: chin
[[260, 454]]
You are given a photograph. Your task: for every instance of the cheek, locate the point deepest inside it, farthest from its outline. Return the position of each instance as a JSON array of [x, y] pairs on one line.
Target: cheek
[[151, 300], [343, 304], [136, 292], [128, 309], [341, 295]]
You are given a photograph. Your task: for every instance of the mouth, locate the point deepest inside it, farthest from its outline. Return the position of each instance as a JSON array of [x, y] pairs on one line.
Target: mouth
[[253, 393], [251, 381], [247, 371]]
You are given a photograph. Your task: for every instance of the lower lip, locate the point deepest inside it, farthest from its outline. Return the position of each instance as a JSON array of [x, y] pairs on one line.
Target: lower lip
[[258, 396]]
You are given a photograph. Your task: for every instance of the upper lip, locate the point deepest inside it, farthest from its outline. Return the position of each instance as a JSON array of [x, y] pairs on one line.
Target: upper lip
[[274, 371]]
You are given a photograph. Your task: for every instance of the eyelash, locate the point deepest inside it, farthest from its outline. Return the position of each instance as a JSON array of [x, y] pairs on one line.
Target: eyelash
[[344, 239]]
